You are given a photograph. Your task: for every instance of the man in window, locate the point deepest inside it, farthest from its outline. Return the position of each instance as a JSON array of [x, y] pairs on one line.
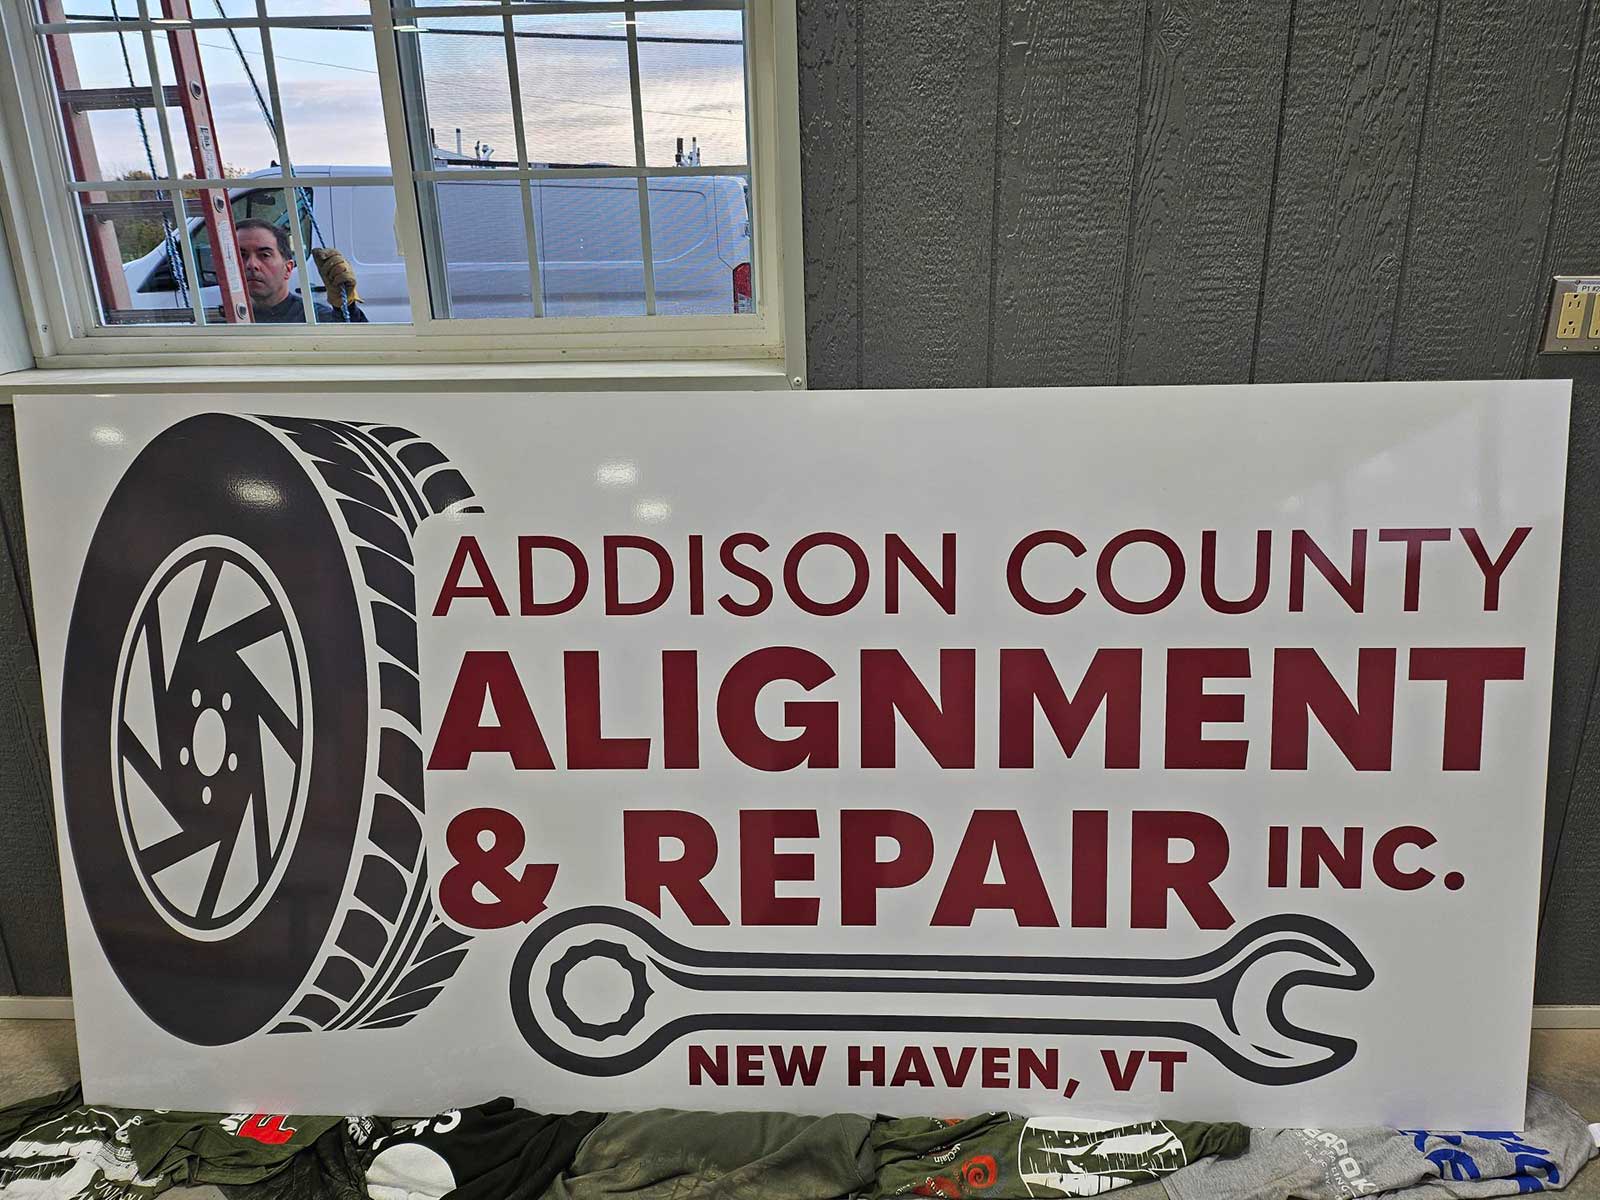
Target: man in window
[[268, 266]]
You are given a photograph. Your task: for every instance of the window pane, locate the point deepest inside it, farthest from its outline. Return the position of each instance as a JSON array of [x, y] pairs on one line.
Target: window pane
[[485, 249], [576, 104], [332, 106], [105, 87], [591, 262], [467, 88], [691, 87], [699, 235], [310, 8], [358, 222], [135, 259], [244, 134]]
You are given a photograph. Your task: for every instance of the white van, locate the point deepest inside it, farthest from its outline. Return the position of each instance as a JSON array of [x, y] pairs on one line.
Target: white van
[[591, 263]]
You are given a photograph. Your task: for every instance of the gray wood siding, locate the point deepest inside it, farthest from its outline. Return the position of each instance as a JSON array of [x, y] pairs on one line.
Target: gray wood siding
[[1171, 191], [33, 951]]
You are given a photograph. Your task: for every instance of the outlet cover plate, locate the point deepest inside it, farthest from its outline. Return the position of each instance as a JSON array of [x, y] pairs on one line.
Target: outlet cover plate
[[1572, 322]]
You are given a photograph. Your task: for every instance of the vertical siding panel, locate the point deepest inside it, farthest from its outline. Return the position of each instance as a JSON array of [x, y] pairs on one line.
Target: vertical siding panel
[[1207, 142], [1569, 960], [829, 132], [1352, 118], [1473, 279], [1069, 120], [929, 73], [32, 928]]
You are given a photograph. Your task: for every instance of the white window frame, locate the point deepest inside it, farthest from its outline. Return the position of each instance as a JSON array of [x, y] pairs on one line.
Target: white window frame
[[61, 311]]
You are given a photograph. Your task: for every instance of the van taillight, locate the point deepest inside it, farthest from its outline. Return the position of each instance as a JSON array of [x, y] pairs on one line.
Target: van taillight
[[744, 299]]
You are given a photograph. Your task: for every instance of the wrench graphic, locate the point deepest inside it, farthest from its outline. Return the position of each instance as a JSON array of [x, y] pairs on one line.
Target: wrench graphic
[[601, 991]]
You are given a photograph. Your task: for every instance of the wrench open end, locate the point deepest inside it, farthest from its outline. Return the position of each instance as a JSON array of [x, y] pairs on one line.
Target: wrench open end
[[1261, 967]]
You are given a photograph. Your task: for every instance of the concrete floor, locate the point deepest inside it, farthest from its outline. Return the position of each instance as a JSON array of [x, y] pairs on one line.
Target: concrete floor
[[42, 1056]]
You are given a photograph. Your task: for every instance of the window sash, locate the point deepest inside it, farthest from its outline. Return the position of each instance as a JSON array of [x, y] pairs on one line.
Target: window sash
[[67, 304]]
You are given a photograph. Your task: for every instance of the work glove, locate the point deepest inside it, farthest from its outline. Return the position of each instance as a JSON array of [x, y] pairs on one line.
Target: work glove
[[337, 276]]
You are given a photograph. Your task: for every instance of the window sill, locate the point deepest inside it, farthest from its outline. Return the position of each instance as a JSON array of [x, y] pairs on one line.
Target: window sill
[[645, 374]]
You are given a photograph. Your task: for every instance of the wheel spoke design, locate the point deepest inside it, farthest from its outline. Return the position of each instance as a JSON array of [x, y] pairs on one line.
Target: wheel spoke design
[[279, 723], [174, 849], [247, 631], [149, 770], [232, 695]]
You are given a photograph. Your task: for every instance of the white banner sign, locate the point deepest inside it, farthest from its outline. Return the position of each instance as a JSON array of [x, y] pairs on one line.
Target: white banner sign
[[1148, 751]]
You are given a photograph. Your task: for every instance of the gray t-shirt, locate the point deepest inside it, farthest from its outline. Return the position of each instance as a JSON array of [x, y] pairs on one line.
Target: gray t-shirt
[[1325, 1164]]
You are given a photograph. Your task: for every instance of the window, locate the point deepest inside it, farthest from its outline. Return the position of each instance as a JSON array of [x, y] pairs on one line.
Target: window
[[597, 178]]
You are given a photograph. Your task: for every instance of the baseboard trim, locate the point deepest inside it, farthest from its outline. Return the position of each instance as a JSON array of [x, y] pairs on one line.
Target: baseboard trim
[[1566, 1016], [35, 1008]]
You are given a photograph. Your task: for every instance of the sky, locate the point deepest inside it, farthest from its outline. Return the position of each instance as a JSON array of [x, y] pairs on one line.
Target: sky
[[576, 103]]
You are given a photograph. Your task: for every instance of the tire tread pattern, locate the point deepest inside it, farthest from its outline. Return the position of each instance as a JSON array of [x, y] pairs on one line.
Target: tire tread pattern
[[391, 954]]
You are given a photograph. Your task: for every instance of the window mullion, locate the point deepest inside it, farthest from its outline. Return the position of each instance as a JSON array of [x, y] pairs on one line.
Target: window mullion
[[630, 17], [291, 195], [180, 211], [514, 76], [405, 122]]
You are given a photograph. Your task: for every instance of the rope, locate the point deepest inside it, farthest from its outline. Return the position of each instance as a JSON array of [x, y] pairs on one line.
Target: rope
[[302, 195]]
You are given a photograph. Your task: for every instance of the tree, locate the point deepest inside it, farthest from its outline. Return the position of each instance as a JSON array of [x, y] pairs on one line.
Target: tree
[[137, 236]]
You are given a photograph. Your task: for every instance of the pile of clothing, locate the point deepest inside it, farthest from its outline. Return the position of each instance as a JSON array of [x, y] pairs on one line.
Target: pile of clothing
[[58, 1148]]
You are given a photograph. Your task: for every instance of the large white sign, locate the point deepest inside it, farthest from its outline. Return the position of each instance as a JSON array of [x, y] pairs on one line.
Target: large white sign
[[1171, 751]]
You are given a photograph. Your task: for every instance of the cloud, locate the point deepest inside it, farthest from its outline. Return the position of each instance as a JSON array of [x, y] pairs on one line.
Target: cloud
[[576, 99]]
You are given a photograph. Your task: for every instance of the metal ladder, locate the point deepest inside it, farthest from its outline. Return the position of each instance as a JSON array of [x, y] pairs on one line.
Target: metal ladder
[[100, 211]]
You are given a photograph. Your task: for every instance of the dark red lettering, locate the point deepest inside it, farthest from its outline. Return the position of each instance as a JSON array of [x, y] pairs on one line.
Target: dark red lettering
[[1383, 858], [858, 584], [1154, 874], [996, 1066], [468, 550], [526, 545], [761, 866], [488, 675], [1465, 670], [1107, 560], [1121, 1076], [946, 729], [680, 710], [1112, 681], [708, 1064], [869, 1065], [1352, 588], [994, 835], [862, 874], [943, 589], [587, 748], [1019, 556], [817, 743], [1494, 568], [1413, 539], [1190, 708], [1090, 834], [1317, 850], [615, 605], [1303, 685], [740, 570], [1208, 574], [646, 875]]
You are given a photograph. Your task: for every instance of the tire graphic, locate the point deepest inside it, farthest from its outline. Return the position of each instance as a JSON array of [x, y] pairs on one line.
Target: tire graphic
[[241, 744]]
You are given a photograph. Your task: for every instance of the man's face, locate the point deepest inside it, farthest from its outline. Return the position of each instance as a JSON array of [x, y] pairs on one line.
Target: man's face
[[266, 271]]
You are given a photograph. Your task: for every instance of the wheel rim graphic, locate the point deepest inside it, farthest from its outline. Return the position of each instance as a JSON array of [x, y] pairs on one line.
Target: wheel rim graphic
[[211, 740]]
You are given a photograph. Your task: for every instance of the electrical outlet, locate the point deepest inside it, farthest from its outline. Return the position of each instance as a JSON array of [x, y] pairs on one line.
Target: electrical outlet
[[1572, 324], [1569, 321]]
